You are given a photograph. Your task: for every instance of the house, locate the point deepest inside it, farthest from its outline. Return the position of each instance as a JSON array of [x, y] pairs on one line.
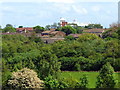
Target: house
[[51, 40], [24, 30], [75, 35], [52, 33], [95, 31]]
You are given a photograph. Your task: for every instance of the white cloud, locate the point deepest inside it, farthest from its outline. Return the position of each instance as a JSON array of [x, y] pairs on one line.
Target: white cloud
[[22, 1], [96, 8], [61, 1], [62, 8], [108, 12], [79, 10]]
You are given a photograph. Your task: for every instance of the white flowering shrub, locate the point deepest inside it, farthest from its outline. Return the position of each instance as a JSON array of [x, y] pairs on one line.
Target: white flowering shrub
[[25, 78]]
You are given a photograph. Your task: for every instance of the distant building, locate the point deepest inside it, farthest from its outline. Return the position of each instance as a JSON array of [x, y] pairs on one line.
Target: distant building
[[63, 22], [75, 35], [51, 33], [95, 31], [24, 30]]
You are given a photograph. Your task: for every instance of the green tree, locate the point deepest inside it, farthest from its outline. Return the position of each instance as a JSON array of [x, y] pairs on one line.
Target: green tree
[[38, 29], [50, 82], [20, 27], [47, 27], [83, 82], [68, 30], [79, 29], [69, 38], [90, 26], [88, 37], [9, 28], [9, 25], [55, 25], [105, 78]]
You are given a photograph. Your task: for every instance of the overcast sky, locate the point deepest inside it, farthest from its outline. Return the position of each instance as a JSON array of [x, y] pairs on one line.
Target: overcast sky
[[30, 13]]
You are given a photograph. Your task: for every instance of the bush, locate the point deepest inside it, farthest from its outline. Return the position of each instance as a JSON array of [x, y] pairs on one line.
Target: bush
[[83, 82], [50, 82], [25, 78], [105, 77]]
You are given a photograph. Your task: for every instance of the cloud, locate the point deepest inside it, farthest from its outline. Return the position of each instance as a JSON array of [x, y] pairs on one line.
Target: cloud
[[96, 8], [22, 1], [61, 1], [62, 8], [79, 10]]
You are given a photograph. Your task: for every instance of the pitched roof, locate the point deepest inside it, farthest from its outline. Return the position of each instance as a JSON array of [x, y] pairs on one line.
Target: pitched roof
[[75, 35], [25, 28], [46, 31], [94, 31]]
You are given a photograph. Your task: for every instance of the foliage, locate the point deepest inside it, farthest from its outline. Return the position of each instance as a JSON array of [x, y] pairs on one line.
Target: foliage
[[67, 29], [83, 82], [38, 29], [87, 53], [9, 28], [20, 27], [105, 77], [6, 74], [25, 78], [50, 82], [69, 38], [90, 26], [87, 37]]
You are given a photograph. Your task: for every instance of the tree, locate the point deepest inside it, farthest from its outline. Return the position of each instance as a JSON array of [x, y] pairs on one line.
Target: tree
[[9, 28], [20, 26], [25, 78], [38, 29], [79, 29], [54, 25], [9, 25], [83, 82], [90, 26], [47, 27], [105, 78], [88, 37], [68, 30], [69, 38]]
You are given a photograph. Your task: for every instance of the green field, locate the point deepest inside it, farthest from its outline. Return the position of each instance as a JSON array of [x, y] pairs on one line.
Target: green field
[[92, 77]]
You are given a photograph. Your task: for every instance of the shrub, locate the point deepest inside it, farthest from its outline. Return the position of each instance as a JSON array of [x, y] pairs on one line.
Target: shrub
[[50, 82], [105, 77], [83, 82], [25, 78]]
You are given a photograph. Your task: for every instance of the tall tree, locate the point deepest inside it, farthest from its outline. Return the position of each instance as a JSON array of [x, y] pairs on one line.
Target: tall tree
[[68, 30], [38, 29], [9, 28], [105, 78]]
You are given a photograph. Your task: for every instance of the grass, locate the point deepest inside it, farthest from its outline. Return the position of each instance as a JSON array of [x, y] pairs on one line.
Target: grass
[[92, 77]]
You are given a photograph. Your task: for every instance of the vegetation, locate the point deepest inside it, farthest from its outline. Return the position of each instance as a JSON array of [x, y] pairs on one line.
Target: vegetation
[[86, 53], [91, 77], [106, 78], [25, 78], [38, 29], [91, 26], [9, 28], [67, 29]]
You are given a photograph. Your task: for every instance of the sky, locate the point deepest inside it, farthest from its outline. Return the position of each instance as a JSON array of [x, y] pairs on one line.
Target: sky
[[30, 13]]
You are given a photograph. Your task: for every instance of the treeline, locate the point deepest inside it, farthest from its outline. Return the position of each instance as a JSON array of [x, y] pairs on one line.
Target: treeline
[[87, 53]]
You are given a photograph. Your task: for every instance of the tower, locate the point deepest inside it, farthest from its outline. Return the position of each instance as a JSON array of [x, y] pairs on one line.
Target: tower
[[62, 22]]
